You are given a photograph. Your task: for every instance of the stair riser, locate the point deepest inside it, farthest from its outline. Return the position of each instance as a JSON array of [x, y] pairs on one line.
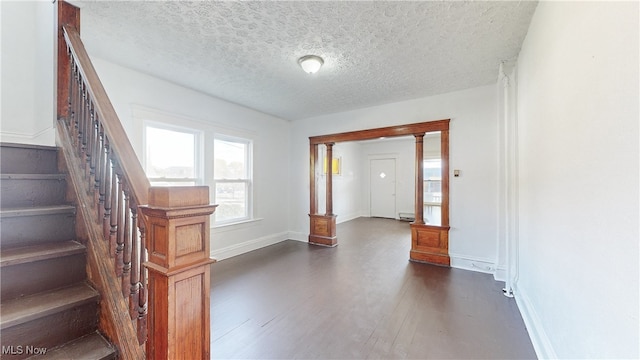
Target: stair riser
[[30, 278], [29, 230], [27, 192], [15, 160], [51, 330]]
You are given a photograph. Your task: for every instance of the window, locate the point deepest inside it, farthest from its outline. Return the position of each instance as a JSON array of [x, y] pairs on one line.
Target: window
[[179, 151], [171, 156], [432, 181], [232, 179]]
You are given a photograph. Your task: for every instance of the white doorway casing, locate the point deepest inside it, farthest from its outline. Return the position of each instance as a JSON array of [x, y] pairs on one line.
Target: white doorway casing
[[382, 189]]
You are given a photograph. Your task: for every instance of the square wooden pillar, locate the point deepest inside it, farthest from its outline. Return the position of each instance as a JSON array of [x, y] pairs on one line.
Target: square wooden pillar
[[430, 244], [323, 230], [179, 272]]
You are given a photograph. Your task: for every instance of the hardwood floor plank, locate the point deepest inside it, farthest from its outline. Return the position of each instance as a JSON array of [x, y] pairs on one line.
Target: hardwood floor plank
[[360, 300]]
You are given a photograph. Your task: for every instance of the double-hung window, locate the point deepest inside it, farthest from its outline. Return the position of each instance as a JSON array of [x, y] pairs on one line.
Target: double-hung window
[[232, 179], [172, 155]]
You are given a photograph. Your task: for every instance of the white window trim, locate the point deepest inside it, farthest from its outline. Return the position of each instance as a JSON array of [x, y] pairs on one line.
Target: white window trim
[[248, 181], [210, 130], [198, 149]]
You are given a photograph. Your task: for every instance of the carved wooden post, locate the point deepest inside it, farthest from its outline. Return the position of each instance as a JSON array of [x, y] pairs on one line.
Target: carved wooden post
[[430, 243], [322, 227], [419, 196], [313, 179], [177, 238], [67, 15], [329, 192]]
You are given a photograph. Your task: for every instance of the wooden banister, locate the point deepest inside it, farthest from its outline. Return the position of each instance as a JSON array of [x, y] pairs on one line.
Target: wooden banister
[[148, 247]]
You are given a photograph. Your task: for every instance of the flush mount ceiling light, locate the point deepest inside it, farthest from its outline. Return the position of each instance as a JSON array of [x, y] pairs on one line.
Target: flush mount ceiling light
[[310, 63]]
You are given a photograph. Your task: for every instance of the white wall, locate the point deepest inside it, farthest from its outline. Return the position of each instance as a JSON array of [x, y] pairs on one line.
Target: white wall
[[131, 91], [346, 185], [473, 150], [27, 72], [579, 177]]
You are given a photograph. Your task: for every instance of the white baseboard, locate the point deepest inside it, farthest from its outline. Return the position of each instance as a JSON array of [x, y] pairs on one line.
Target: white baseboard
[[473, 264], [241, 248], [501, 273], [349, 217], [298, 236], [539, 339]]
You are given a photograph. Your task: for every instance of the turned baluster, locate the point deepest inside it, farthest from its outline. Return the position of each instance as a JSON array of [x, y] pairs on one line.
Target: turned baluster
[[108, 174], [92, 154], [81, 98], [98, 187], [69, 119], [119, 254], [113, 218], [134, 285], [143, 295], [126, 248]]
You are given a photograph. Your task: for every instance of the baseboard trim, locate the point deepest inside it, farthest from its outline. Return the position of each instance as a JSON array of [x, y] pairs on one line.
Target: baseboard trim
[[501, 273], [298, 236], [344, 218], [539, 338], [472, 264], [244, 247]]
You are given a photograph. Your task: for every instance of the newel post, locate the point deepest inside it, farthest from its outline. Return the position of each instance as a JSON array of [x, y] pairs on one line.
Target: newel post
[[179, 278]]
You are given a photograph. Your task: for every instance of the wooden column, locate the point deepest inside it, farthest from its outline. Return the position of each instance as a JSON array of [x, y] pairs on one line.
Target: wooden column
[[322, 227], [179, 272], [419, 196], [329, 192], [444, 155], [429, 243], [313, 178]]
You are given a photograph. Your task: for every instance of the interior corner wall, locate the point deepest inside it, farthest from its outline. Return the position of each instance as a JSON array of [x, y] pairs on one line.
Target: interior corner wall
[[27, 71], [473, 150], [578, 122]]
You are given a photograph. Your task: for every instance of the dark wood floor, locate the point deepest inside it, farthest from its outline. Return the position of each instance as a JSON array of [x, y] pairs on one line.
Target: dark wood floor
[[362, 299]]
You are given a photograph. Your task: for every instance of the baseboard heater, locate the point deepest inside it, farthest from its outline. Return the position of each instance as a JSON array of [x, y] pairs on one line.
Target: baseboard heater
[[407, 216]]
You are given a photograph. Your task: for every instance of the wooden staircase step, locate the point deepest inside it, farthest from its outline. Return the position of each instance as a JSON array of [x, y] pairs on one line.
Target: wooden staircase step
[[89, 347], [29, 308], [32, 176], [40, 252], [23, 158], [29, 190], [37, 211], [25, 226]]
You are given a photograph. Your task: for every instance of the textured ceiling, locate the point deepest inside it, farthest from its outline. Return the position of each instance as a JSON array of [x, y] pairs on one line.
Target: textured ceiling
[[246, 52]]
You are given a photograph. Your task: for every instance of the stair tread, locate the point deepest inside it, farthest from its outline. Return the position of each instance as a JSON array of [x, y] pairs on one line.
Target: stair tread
[[37, 210], [32, 176], [26, 254], [21, 310], [28, 146], [92, 346]]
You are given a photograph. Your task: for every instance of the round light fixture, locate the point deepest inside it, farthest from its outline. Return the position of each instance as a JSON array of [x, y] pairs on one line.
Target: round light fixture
[[310, 63]]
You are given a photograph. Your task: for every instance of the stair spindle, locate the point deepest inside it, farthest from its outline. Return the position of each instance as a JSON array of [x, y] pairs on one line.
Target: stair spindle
[[134, 284], [127, 243], [119, 258]]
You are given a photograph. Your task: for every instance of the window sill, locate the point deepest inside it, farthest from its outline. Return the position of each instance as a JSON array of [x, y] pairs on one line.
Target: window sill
[[235, 225]]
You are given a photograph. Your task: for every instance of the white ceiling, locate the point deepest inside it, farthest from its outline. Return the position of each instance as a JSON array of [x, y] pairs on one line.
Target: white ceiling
[[246, 52]]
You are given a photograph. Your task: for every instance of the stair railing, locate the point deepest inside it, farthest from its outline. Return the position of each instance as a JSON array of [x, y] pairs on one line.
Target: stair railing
[[158, 238]]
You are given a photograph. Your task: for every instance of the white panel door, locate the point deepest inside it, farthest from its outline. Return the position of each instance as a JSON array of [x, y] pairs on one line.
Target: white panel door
[[383, 188]]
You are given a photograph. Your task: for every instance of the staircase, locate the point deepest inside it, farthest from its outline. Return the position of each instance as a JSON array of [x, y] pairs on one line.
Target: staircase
[[48, 310]]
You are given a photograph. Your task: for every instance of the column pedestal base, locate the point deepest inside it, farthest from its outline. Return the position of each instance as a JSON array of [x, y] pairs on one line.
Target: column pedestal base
[[323, 230], [430, 244]]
